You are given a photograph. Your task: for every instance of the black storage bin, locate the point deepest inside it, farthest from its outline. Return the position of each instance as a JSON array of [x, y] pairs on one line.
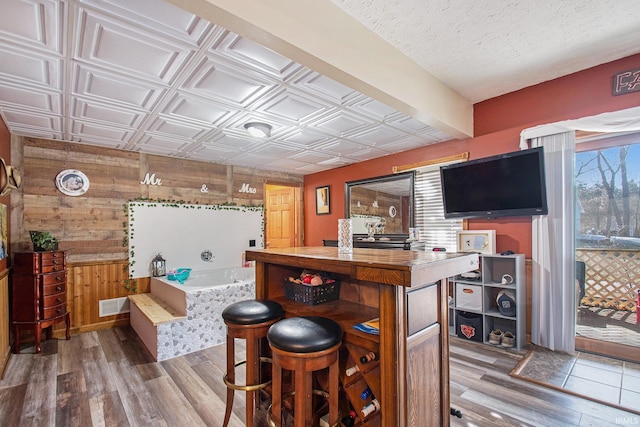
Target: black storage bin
[[469, 326]]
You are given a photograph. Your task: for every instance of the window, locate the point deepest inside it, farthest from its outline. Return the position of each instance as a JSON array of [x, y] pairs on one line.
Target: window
[[435, 230]]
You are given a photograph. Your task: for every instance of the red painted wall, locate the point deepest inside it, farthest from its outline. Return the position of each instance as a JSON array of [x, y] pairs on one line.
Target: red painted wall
[[498, 123], [581, 94]]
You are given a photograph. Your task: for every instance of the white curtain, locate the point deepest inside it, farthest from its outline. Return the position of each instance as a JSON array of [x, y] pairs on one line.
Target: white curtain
[[553, 298], [553, 266]]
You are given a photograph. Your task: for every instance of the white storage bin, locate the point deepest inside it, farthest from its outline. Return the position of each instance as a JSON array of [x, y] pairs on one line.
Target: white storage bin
[[469, 297]]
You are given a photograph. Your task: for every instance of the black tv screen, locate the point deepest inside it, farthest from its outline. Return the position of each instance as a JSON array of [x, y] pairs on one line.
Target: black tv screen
[[511, 184]]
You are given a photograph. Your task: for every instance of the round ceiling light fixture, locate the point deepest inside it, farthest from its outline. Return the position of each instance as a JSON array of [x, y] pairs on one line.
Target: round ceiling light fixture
[[258, 130]]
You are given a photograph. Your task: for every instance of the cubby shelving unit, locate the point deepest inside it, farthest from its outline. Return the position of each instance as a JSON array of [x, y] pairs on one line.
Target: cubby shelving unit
[[478, 296]]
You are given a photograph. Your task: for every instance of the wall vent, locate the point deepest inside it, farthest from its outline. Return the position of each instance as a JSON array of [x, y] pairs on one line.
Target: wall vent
[[110, 307]]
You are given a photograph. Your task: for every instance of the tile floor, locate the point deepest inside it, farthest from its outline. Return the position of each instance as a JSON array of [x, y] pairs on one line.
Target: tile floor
[[597, 377]]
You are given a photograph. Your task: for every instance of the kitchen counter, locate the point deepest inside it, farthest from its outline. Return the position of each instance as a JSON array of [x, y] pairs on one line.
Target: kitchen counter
[[407, 290]]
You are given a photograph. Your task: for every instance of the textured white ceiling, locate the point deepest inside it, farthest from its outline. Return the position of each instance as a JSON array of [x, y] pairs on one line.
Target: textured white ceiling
[[146, 76], [483, 49]]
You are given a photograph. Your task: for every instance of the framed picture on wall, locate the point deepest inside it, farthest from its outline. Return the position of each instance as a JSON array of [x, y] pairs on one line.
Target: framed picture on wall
[[323, 205], [479, 241]]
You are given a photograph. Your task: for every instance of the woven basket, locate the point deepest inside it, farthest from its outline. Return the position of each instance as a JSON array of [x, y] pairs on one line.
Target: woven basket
[[311, 295]]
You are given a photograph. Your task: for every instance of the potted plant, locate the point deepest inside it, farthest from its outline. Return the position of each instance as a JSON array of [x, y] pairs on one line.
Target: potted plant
[[43, 241]]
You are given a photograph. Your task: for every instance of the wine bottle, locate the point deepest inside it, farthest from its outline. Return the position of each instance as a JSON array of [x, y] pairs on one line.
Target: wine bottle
[[352, 370], [369, 357], [349, 420], [365, 394], [371, 408]]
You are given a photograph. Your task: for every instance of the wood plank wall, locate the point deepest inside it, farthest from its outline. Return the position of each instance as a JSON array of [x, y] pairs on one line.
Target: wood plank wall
[[91, 226]]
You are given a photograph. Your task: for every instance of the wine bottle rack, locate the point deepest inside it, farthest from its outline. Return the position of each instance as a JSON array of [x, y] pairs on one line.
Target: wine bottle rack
[[368, 376]]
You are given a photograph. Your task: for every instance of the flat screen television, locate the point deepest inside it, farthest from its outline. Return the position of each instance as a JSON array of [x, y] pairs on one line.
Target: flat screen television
[[511, 184]]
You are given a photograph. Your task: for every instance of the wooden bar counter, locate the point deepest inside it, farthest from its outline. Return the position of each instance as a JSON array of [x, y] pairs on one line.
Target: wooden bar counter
[[407, 290]]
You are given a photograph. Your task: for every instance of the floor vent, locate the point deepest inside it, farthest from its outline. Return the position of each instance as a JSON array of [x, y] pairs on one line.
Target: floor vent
[[109, 307]]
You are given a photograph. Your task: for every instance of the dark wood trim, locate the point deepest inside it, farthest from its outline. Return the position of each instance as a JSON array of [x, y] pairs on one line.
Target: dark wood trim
[[619, 351]]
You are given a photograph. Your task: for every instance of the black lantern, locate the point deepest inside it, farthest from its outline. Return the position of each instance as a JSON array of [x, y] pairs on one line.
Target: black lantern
[[158, 266]]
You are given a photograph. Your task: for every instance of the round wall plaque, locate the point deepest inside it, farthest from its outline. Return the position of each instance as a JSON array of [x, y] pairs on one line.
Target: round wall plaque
[[72, 182]]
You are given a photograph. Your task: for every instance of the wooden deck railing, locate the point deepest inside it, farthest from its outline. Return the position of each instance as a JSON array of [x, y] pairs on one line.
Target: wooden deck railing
[[612, 278]]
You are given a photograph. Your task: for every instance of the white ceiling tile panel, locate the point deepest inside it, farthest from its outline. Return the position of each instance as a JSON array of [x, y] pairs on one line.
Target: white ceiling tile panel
[[340, 147], [252, 55], [161, 17], [106, 86], [120, 48], [231, 142], [274, 149], [30, 68], [286, 165], [410, 124], [252, 160], [167, 145], [179, 129], [292, 106], [305, 137], [335, 162], [186, 106], [213, 153], [339, 123], [220, 81], [366, 154], [21, 97], [325, 87], [89, 110], [36, 133], [313, 168], [375, 136], [92, 131], [33, 120], [310, 156], [404, 144], [369, 106], [147, 76], [36, 23]]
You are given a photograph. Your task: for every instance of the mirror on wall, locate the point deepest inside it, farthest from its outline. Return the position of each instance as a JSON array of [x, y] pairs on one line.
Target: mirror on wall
[[381, 206]]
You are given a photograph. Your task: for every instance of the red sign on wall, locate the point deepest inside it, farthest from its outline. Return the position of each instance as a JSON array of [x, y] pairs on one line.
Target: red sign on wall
[[626, 82]]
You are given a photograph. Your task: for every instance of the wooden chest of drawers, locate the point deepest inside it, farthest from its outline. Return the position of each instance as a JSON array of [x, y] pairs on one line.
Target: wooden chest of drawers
[[39, 294]]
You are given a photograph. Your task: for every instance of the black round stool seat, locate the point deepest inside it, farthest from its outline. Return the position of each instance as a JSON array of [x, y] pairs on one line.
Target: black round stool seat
[[306, 334], [252, 311]]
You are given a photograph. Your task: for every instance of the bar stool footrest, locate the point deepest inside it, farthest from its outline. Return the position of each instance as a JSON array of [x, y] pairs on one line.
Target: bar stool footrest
[[253, 387]]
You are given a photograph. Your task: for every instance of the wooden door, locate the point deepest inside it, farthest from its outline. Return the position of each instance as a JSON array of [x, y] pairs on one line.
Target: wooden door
[[281, 208]]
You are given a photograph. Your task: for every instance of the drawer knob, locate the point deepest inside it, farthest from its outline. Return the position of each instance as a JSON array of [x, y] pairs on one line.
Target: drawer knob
[[58, 300], [58, 278], [55, 268], [58, 288], [59, 310]]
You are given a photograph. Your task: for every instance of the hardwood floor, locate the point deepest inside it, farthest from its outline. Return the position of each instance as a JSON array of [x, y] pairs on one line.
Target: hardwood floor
[[107, 378]]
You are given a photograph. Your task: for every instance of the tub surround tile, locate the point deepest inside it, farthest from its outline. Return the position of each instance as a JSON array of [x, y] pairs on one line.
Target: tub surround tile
[[204, 326]]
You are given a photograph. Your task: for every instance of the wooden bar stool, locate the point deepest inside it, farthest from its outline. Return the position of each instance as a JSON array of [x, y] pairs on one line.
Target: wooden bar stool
[[249, 320], [304, 345]]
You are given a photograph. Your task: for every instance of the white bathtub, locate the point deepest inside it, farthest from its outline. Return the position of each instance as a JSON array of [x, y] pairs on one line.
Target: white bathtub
[[211, 278], [201, 299]]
